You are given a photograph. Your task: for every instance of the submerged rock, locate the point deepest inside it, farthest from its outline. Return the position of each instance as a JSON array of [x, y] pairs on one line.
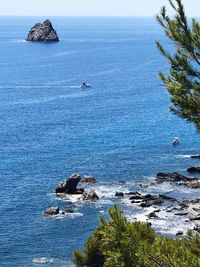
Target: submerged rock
[[51, 211], [121, 182], [69, 186], [90, 196], [42, 32], [88, 179]]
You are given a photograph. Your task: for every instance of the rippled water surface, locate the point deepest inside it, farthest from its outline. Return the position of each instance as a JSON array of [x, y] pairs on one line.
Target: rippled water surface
[[50, 128]]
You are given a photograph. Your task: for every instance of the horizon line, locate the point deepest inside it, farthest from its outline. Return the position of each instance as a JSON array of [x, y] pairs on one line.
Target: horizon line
[[92, 16]]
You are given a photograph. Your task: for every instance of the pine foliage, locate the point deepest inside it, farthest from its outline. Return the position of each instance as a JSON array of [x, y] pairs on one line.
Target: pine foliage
[[120, 243], [183, 79]]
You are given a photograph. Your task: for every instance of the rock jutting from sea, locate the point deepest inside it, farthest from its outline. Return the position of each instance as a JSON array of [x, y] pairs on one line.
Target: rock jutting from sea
[[43, 32]]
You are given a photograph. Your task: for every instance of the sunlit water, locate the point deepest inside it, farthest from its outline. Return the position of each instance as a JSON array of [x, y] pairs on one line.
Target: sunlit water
[[50, 128]]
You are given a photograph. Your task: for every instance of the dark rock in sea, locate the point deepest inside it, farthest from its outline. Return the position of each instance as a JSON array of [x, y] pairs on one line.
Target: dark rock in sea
[[69, 186], [158, 210], [121, 182], [164, 197], [181, 214], [136, 197], [178, 178], [195, 218], [195, 156], [134, 193], [88, 180], [69, 211], [90, 196], [42, 32], [152, 215], [51, 211], [193, 169], [119, 194], [171, 177], [149, 199], [197, 228], [179, 233]]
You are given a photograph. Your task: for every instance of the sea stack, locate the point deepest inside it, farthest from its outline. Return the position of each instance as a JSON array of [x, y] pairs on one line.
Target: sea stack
[[43, 32]]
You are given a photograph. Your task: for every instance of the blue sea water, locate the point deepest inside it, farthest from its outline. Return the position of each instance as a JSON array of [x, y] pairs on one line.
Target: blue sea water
[[50, 128]]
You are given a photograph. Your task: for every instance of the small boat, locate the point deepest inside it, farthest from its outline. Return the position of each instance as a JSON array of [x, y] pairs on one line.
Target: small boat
[[85, 85], [175, 141]]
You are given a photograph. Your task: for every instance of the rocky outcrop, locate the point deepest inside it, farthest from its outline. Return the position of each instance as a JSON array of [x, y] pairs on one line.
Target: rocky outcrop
[[42, 32], [149, 200], [119, 194], [51, 211], [178, 178], [88, 180], [90, 196], [69, 186]]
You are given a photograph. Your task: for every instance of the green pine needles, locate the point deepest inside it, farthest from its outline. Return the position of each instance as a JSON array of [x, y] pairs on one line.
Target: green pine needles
[[120, 243], [183, 80]]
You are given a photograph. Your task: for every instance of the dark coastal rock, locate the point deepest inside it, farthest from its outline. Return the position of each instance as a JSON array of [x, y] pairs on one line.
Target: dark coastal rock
[[197, 218], [164, 197], [195, 156], [193, 169], [119, 194], [171, 177], [90, 196], [51, 211], [177, 178], [88, 180], [136, 197], [68, 210], [69, 186], [152, 215], [181, 213], [148, 200], [197, 228], [179, 233], [121, 182], [42, 32], [134, 193]]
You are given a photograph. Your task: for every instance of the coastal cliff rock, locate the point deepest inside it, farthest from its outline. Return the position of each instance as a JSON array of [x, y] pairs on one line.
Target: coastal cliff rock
[[42, 32]]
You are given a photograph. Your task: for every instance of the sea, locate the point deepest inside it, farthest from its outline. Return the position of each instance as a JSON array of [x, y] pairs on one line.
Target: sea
[[119, 129]]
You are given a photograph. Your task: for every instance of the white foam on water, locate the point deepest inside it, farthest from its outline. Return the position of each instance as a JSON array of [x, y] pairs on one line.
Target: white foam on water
[[17, 41], [42, 260], [68, 215], [183, 156], [43, 100]]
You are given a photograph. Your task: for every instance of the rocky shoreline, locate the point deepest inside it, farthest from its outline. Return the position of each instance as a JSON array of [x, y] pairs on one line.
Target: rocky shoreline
[[155, 206]]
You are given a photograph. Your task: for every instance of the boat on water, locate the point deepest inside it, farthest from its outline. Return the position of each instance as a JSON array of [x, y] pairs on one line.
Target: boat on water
[[85, 85], [175, 141]]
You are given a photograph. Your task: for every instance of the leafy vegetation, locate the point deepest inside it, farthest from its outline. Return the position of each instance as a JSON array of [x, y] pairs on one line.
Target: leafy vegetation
[[120, 243], [183, 80]]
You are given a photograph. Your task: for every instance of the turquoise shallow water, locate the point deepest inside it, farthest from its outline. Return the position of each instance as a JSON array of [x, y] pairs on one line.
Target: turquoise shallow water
[[50, 128]]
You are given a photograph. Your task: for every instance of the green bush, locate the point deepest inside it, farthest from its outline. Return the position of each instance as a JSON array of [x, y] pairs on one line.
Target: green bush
[[120, 243]]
